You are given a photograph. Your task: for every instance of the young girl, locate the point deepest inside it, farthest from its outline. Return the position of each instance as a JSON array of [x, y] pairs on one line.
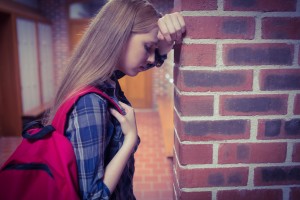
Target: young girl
[[125, 38]]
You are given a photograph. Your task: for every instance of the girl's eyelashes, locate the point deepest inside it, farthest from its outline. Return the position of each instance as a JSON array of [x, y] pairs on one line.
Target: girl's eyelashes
[[150, 47]]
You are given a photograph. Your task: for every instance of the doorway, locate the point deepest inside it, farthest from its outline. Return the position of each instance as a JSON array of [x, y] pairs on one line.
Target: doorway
[[10, 106]]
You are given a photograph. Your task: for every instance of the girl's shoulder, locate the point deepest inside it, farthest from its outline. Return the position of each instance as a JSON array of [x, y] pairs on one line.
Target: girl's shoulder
[[91, 100]]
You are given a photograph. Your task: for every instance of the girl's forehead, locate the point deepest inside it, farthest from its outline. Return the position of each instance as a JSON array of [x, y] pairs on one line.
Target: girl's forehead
[[149, 37], [152, 35]]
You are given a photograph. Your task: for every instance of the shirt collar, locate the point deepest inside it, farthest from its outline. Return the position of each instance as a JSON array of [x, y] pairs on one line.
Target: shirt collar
[[111, 88]]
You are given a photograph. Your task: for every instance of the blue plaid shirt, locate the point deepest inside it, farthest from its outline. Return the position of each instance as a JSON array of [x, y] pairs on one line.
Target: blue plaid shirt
[[96, 137]]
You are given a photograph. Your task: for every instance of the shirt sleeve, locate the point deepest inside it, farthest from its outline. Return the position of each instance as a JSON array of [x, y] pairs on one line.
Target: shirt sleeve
[[87, 132]]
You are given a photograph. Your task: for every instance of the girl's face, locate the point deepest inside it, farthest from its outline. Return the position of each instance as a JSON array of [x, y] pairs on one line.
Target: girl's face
[[139, 52]]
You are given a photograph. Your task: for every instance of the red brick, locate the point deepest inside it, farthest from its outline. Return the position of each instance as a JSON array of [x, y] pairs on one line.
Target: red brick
[[296, 154], [182, 195], [143, 186], [214, 81], [260, 5], [195, 196], [277, 175], [212, 130], [212, 177], [198, 5], [193, 153], [272, 194], [223, 27], [297, 105], [198, 55], [158, 186], [295, 193], [162, 6], [278, 129], [151, 178], [151, 195], [138, 179], [194, 105], [281, 28], [252, 153], [165, 194], [258, 54], [280, 79], [248, 105]]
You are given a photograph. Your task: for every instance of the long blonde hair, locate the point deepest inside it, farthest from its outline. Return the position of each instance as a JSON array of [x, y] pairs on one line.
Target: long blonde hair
[[95, 58]]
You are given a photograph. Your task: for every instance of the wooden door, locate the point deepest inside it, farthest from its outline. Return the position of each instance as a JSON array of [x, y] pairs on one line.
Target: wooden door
[[137, 89], [76, 30], [10, 103]]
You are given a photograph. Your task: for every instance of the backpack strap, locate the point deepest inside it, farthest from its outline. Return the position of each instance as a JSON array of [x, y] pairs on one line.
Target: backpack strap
[[60, 118], [38, 135]]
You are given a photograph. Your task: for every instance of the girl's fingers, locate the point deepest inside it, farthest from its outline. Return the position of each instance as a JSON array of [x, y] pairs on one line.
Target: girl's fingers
[[127, 121], [181, 21], [164, 30], [177, 26], [128, 109], [171, 26], [116, 114], [125, 106]]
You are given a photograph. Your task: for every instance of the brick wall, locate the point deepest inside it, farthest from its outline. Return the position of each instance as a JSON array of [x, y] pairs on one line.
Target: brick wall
[[57, 12], [237, 101]]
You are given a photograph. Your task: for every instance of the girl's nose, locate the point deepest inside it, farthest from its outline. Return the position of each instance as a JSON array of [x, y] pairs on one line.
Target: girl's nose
[[151, 58]]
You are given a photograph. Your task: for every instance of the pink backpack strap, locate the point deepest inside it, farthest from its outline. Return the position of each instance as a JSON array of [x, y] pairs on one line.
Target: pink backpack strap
[[60, 118]]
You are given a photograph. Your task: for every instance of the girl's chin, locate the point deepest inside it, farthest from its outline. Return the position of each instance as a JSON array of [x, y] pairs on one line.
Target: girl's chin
[[133, 73]]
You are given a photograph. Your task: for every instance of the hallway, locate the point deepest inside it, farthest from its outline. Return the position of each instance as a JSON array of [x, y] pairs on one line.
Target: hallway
[[153, 175]]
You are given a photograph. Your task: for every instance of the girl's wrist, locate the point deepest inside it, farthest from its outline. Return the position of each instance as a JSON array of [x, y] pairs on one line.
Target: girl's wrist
[[165, 50], [131, 139]]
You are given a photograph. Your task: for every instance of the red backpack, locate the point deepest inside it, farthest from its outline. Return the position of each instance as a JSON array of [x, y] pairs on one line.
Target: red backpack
[[44, 165]]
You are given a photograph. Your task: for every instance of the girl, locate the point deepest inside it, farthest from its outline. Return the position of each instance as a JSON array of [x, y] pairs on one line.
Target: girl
[[125, 38]]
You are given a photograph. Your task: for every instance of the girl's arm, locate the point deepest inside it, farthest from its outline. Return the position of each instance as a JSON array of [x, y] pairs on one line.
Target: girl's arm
[[87, 131], [116, 166]]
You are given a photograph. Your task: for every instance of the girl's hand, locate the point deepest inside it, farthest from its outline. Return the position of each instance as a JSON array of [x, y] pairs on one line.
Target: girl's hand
[[171, 27], [115, 167], [128, 123]]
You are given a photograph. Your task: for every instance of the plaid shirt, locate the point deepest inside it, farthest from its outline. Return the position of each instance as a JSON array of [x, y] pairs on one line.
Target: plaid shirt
[[96, 137]]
